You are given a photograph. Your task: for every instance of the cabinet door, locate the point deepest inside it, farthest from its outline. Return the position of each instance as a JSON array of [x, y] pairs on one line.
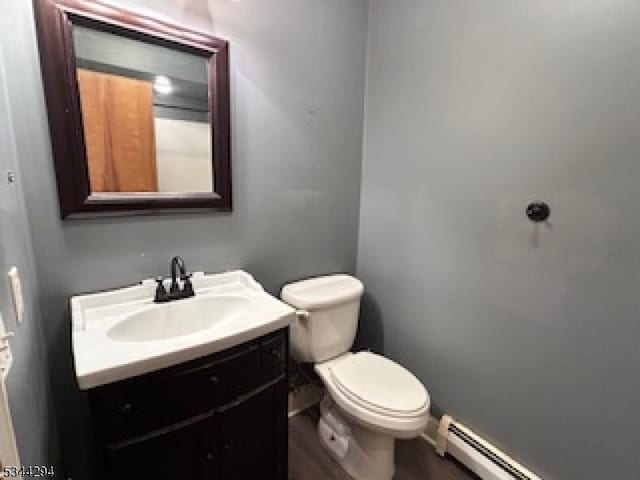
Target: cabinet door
[[253, 437], [155, 401], [182, 453]]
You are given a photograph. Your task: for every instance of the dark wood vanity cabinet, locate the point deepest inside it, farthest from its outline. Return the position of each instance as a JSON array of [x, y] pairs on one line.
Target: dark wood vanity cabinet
[[219, 417]]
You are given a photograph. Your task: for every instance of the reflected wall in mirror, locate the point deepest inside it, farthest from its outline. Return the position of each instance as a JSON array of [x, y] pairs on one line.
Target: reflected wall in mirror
[[141, 121]]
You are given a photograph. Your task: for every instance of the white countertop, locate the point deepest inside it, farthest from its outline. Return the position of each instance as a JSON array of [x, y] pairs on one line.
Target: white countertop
[[99, 359]]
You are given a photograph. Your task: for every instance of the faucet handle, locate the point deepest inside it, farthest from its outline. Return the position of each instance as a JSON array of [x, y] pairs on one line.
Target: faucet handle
[[187, 286], [161, 292]]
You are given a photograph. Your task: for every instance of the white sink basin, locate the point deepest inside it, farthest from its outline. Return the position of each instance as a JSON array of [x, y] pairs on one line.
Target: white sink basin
[[121, 333], [182, 317]]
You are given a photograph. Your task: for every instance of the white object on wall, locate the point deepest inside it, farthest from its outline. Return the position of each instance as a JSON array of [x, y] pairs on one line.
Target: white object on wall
[[15, 285], [6, 359], [8, 447]]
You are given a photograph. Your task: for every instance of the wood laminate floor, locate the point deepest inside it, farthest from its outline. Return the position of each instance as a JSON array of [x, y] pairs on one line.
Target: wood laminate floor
[[415, 459]]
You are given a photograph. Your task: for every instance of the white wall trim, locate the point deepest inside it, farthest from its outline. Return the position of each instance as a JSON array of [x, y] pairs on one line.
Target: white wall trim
[[304, 397]]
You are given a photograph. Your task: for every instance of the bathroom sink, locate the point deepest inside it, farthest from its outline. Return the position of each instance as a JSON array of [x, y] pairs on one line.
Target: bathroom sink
[[122, 333], [182, 317]]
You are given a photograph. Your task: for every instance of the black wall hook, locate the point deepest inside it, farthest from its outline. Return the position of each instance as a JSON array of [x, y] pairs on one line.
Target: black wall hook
[[538, 212]]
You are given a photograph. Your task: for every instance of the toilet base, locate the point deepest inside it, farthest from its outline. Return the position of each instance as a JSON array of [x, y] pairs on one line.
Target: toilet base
[[363, 453]]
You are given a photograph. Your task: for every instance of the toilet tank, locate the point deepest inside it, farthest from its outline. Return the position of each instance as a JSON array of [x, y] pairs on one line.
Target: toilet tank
[[328, 309]]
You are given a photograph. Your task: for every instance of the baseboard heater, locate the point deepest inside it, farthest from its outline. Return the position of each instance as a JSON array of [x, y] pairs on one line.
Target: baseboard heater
[[478, 455]]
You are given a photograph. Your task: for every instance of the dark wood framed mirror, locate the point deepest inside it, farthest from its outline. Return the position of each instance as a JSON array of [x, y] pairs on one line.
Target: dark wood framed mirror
[[138, 110]]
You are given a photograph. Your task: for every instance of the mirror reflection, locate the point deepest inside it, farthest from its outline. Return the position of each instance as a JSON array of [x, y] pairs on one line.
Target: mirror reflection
[[145, 112]]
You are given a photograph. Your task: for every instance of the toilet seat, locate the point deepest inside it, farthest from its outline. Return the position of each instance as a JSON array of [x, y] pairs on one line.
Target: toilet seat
[[379, 384], [377, 392]]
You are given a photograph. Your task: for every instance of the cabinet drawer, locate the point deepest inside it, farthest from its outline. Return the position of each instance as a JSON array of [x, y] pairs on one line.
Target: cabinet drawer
[[138, 406]]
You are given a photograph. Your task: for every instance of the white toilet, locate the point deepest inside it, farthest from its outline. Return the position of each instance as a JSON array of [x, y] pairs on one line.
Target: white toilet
[[370, 399]]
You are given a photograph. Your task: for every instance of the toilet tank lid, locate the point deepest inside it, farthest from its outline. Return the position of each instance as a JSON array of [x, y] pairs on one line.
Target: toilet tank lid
[[323, 291]]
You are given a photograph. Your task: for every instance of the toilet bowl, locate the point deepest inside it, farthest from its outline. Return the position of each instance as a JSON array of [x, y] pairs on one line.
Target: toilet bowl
[[370, 400]]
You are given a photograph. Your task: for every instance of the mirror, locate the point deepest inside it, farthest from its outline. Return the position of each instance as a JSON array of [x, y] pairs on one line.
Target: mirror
[[141, 121]]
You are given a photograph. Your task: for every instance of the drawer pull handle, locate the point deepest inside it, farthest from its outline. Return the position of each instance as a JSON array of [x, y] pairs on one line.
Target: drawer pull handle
[[214, 380], [127, 408], [276, 353], [209, 457]]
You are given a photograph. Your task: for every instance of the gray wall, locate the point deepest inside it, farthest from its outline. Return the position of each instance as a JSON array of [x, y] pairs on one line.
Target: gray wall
[[530, 335], [28, 382], [297, 101]]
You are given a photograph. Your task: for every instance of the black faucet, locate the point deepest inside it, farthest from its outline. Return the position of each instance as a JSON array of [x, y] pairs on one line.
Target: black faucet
[[175, 292]]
